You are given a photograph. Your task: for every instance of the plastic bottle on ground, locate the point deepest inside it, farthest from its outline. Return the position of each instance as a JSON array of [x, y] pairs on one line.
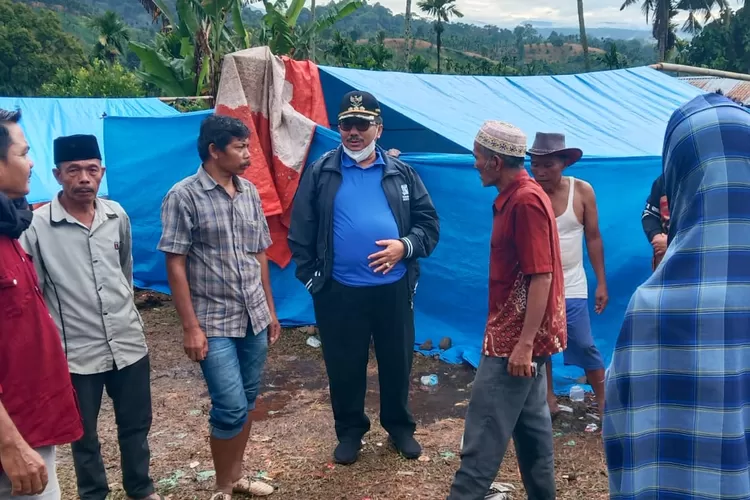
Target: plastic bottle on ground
[[576, 393], [429, 380]]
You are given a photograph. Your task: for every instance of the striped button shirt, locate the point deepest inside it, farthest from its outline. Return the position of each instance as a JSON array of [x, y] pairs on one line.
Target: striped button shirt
[[87, 279], [220, 236]]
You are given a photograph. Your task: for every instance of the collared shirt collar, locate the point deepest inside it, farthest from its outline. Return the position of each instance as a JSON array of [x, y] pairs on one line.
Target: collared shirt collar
[[59, 214], [208, 183], [346, 161], [511, 188]]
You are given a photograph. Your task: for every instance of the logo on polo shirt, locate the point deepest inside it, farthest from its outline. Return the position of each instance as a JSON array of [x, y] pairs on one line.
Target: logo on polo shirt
[[404, 192], [117, 245]]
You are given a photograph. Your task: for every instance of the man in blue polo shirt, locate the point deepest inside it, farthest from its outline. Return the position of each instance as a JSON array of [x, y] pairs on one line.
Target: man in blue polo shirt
[[360, 221]]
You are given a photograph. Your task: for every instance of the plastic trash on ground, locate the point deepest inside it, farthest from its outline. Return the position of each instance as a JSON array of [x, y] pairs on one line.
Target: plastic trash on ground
[[429, 380], [313, 341], [576, 394], [500, 491]]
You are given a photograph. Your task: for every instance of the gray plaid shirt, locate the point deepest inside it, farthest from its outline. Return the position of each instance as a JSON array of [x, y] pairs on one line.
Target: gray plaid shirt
[[220, 236]]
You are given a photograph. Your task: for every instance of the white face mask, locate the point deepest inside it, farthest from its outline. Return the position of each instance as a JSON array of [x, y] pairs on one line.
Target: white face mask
[[359, 156]]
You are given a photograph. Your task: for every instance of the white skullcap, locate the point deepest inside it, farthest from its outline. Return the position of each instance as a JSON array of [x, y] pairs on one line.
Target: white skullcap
[[503, 138]]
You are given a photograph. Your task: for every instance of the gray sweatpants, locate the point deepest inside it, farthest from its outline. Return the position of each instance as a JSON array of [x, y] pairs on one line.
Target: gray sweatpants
[[502, 406], [51, 492]]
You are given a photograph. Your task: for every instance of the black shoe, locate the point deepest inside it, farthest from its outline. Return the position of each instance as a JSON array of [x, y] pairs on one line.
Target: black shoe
[[347, 452], [408, 447]]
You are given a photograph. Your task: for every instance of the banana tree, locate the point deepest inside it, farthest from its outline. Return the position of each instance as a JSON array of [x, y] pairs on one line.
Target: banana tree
[[200, 29], [282, 35]]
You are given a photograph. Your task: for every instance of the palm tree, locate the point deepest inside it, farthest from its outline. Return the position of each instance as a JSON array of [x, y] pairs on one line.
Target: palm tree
[[185, 59], [442, 11], [379, 53], [282, 35], [407, 34], [312, 37], [613, 59], [584, 39], [664, 10], [112, 34]]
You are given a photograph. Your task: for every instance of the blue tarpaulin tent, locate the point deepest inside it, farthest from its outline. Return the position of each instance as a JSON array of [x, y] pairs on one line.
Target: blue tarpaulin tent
[[618, 118], [44, 119]]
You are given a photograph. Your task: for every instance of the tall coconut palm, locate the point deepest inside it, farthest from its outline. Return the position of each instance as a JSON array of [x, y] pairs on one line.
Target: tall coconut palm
[[407, 34], [313, 36], [662, 12], [113, 36], [442, 11], [584, 38]]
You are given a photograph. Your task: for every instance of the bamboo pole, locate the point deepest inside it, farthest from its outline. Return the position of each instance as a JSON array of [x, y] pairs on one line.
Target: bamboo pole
[[187, 98], [680, 68]]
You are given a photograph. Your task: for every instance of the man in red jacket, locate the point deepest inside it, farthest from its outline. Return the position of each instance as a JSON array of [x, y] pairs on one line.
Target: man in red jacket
[[37, 402]]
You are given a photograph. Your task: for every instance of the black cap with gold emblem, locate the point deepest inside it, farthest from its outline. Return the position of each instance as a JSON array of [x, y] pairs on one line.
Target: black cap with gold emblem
[[358, 104]]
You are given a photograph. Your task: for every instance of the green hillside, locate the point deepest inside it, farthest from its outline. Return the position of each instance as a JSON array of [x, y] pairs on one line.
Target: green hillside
[[466, 44]]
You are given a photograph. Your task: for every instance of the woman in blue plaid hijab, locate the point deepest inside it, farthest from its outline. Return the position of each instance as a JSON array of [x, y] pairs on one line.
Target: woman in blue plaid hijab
[[677, 413]]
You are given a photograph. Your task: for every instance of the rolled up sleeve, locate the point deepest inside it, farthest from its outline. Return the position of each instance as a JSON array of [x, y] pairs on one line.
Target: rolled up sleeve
[[533, 237]]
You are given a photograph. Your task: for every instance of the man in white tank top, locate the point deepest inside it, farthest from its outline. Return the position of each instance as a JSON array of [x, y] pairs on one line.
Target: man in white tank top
[[574, 203]]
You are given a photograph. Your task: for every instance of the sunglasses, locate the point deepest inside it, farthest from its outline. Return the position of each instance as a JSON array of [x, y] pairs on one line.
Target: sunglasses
[[358, 123]]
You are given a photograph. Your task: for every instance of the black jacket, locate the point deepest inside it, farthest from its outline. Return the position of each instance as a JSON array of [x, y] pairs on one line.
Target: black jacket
[[311, 228], [651, 217]]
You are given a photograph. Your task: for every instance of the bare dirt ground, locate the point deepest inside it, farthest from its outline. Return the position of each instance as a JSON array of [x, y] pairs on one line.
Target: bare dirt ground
[[293, 438]]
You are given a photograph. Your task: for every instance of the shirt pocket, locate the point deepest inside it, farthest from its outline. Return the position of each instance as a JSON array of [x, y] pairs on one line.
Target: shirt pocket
[[250, 235], [14, 296]]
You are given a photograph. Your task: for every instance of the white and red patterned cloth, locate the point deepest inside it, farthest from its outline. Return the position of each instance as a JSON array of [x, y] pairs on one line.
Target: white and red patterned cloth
[[281, 100]]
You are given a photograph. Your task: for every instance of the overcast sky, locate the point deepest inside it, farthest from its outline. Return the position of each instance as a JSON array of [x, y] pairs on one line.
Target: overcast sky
[[559, 12]]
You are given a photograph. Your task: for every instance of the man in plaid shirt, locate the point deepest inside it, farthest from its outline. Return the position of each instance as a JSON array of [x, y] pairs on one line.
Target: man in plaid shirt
[[215, 235]]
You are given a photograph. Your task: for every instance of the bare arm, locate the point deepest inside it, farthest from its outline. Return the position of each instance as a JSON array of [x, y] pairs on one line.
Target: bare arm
[[9, 435], [536, 305], [178, 284], [24, 466], [594, 243], [265, 279], [274, 328]]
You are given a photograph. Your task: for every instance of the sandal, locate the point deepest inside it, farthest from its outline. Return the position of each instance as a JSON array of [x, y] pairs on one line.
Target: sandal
[[256, 488]]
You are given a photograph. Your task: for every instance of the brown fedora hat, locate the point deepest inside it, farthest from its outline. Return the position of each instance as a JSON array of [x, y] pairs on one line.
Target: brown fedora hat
[[546, 144]]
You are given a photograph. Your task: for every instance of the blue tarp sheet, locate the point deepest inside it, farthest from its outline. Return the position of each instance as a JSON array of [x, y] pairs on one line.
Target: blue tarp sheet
[[608, 114], [452, 295], [45, 119]]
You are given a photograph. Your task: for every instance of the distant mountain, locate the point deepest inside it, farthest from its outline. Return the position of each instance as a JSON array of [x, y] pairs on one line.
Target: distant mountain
[[557, 47], [600, 32]]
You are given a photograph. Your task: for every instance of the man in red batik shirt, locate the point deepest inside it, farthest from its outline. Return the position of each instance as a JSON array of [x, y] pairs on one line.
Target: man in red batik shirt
[[37, 404], [526, 325]]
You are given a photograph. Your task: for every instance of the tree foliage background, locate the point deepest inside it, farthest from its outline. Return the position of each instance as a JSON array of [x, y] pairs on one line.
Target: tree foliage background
[[33, 47], [174, 47]]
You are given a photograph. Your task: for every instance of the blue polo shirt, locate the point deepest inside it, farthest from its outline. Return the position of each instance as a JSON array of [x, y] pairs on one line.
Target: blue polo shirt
[[362, 216]]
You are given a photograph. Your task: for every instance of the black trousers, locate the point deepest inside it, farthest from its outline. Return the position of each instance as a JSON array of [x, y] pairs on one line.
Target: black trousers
[[130, 390], [348, 318]]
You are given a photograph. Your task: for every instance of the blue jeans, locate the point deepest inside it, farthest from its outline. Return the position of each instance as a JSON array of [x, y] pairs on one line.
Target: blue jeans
[[233, 369]]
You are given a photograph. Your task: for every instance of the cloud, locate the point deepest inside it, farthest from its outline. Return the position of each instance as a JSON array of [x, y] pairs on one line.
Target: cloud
[[559, 12]]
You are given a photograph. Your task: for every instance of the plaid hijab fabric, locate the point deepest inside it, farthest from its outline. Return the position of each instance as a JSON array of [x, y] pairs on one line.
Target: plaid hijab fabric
[[677, 412]]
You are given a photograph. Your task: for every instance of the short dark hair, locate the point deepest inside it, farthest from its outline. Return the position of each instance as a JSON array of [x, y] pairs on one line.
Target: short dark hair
[[7, 117], [508, 161], [220, 130]]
